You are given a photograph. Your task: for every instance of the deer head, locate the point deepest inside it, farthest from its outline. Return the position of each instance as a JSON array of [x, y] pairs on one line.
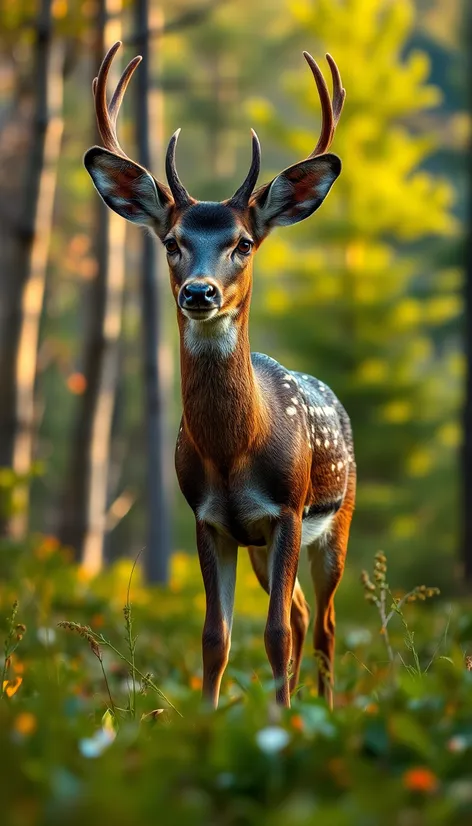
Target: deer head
[[210, 245]]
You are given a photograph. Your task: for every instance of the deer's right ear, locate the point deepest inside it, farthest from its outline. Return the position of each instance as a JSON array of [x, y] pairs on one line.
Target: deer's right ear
[[128, 188]]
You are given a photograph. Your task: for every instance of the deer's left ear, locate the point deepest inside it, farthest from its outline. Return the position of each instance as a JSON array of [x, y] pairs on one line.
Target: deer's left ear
[[294, 194]]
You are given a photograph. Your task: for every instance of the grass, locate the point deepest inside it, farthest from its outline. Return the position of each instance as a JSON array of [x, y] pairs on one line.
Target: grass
[[100, 715]]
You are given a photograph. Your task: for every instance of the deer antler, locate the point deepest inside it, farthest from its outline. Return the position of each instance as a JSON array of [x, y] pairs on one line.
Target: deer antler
[[240, 199], [107, 114], [331, 109]]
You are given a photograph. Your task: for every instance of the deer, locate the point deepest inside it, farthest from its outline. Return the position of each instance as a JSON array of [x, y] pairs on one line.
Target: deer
[[264, 455]]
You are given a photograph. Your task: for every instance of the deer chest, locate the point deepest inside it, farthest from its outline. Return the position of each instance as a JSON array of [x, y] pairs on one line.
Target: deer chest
[[241, 511]]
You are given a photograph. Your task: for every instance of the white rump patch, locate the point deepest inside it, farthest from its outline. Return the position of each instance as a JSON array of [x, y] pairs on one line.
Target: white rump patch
[[314, 527]]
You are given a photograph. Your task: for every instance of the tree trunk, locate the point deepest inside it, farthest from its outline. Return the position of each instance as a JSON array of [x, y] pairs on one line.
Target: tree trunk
[[466, 538], [157, 378], [32, 237], [84, 520]]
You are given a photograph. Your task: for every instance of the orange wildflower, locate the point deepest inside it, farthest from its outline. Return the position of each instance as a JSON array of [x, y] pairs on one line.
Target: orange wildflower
[[10, 687], [297, 722], [47, 546], [25, 723], [77, 383], [420, 779], [195, 682]]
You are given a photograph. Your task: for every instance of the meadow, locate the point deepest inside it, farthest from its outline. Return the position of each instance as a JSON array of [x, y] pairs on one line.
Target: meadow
[[101, 718]]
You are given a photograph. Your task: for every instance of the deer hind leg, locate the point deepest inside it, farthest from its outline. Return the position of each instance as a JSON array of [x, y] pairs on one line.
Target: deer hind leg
[[299, 611], [299, 621], [218, 557], [327, 557]]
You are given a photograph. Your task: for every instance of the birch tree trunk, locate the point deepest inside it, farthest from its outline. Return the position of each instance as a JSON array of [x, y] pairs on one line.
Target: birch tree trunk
[[84, 519], [19, 357], [157, 366]]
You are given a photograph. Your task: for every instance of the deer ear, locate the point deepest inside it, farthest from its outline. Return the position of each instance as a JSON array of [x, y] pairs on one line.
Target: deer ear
[[294, 194], [128, 189]]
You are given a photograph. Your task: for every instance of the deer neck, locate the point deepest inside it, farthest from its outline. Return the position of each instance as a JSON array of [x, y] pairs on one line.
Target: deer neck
[[224, 411]]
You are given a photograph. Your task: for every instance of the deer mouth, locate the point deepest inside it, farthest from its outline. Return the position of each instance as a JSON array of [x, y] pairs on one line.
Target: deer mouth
[[200, 314]]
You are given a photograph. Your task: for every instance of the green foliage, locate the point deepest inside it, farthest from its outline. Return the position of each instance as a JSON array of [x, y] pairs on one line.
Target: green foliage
[[76, 747], [365, 294], [361, 300]]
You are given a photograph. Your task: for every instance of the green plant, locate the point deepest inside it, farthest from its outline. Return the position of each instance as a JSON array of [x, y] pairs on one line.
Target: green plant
[[15, 633], [378, 593], [97, 641]]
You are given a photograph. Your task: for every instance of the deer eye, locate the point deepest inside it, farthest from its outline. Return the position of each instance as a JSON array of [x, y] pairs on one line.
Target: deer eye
[[244, 247], [171, 246]]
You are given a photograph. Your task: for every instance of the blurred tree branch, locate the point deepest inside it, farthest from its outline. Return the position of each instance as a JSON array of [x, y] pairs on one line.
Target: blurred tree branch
[[193, 17]]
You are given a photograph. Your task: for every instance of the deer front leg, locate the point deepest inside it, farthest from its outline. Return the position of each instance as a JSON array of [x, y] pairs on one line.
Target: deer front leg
[[218, 557], [283, 550]]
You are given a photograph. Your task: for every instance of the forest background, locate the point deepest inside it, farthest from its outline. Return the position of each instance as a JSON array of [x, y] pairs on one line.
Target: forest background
[[369, 295], [101, 598]]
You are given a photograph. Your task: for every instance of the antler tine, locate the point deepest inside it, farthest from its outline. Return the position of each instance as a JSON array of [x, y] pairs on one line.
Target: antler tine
[[107, 114], [120, 90], [330, 110], [327, 123], [240, 199], [339, 92], [181, 197]]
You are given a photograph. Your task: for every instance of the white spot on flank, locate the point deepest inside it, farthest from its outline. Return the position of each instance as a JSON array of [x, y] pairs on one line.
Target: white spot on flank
[[286, 384], [340, 465], [326, 443], [294, 400], [305, 376], [290, 411], [318, 442], [333, 468]]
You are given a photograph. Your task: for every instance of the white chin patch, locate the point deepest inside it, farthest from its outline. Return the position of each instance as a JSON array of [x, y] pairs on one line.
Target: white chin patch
[[215, 336]]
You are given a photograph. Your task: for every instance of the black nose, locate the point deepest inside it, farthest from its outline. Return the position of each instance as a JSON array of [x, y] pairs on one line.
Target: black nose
[[198, 294]]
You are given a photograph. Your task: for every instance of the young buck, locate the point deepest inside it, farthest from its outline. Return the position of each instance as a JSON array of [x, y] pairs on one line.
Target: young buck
[[264, 455]]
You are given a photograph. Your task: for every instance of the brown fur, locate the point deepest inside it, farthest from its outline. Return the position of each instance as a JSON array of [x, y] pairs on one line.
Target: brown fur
[[262, 453]]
